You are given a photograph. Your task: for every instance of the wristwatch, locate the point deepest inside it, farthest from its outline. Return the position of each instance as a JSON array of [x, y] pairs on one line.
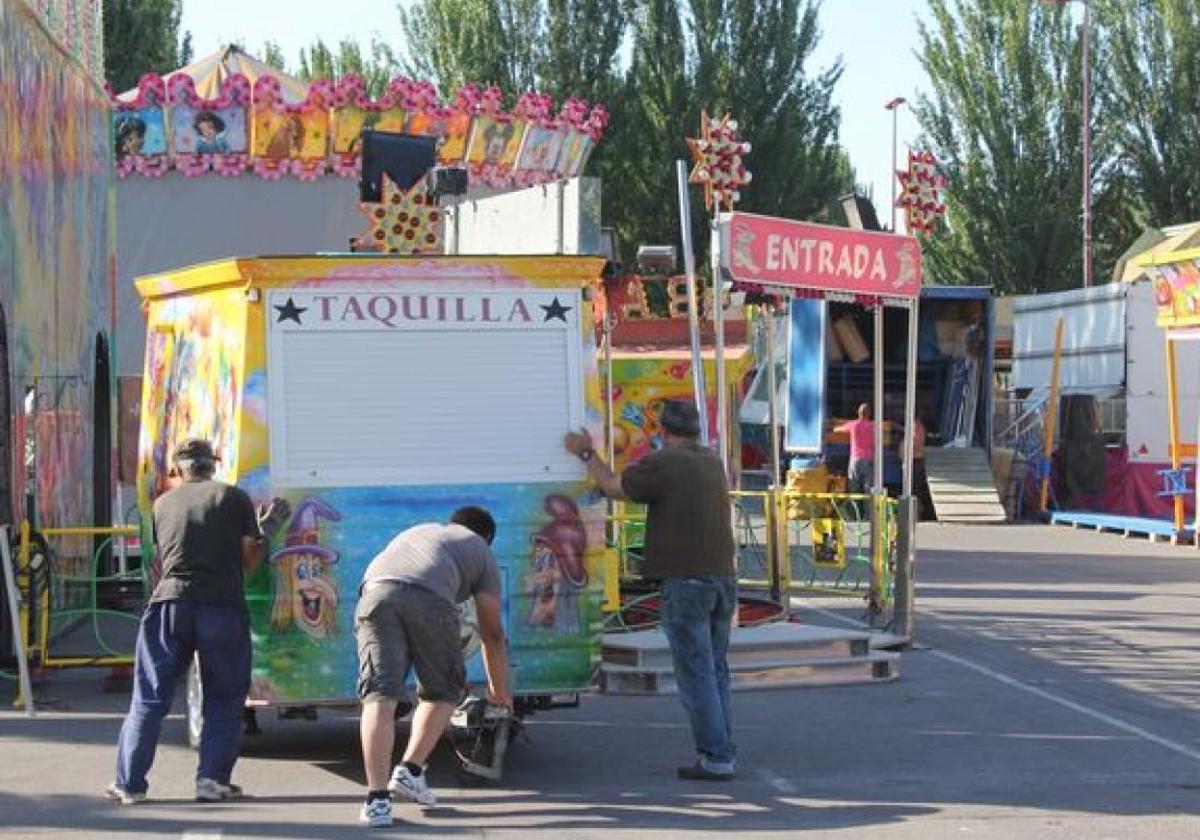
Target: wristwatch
[[585, 455]]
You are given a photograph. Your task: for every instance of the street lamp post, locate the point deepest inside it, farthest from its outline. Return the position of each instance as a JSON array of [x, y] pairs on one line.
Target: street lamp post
[[1086, 130], [1087, 143], [893, 105]]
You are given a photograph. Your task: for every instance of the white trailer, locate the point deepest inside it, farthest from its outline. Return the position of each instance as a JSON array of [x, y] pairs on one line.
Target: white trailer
[[1112, 350]]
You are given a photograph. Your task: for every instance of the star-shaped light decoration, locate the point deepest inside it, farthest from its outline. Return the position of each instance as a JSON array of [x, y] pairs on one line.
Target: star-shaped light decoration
[[404, 222], [717, 154], [921, 193]]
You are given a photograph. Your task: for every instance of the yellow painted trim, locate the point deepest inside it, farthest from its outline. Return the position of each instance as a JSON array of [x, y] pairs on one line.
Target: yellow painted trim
[[1175, 447], [1153, 259], [268, 272]]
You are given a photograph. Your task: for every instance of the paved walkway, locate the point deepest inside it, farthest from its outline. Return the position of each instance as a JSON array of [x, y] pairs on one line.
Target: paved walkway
[[1054, 698]]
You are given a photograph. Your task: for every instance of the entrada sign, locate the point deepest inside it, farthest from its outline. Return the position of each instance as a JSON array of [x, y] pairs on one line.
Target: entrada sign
[[768, 251]]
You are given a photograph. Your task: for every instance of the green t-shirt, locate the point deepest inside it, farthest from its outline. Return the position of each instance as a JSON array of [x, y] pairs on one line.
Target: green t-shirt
[[688, 527]]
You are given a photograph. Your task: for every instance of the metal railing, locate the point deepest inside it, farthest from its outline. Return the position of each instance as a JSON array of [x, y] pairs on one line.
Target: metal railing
[[790, 541], [69, 602]]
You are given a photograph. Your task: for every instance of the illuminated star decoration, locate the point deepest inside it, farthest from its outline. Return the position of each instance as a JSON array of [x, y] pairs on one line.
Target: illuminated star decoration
[[717, 155], [404, 222], [921, 193]]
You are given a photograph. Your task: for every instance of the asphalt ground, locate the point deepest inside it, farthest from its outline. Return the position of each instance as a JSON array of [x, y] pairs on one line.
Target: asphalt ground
[[1052, 695]]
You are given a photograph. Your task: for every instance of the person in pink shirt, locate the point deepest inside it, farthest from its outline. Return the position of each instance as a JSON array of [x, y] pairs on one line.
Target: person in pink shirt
[[862, 450]]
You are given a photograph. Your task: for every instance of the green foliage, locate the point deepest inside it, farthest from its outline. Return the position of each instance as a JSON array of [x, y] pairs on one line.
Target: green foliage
[[746, 57], [1004, 117], [272, 55], [376, 66], [1149, 97], [142, 36]]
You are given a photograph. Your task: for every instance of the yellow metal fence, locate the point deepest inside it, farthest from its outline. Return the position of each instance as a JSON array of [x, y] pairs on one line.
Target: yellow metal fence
[[790, 541], [77, 609]]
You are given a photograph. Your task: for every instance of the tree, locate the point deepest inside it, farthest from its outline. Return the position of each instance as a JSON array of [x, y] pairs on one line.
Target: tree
[[452, 42], [1004, 120], [376, 67], [1149, 91], [744, 56], [272, 55], [142, 36]]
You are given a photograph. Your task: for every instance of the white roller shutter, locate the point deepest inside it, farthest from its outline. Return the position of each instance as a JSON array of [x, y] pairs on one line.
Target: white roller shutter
[[423, 386]]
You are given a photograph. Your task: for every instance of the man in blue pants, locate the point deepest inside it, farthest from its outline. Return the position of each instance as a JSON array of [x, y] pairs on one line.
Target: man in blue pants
[[205, 534], [690, 550]]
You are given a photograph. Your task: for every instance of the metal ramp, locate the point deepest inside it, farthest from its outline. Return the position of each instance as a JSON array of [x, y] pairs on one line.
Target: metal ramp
[[780, 655], [962, 486]]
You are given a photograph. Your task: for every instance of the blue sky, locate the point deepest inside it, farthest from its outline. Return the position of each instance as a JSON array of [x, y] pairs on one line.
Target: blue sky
[[875, 38]]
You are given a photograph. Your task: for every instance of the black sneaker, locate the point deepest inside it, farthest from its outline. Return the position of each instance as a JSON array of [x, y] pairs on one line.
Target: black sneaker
[[701, 771]]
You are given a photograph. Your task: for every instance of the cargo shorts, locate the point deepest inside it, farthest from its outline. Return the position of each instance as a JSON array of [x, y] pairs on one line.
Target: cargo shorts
[[399, 626]]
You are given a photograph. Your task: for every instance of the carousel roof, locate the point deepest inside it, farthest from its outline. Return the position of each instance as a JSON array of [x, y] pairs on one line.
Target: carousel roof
[[209, 74]]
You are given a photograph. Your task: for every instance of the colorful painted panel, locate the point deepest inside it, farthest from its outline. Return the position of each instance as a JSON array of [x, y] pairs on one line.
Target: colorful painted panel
[[193, 384], [55, 256], [323, 132], [1177, 293], [644, 383], [290, 138], [76, 25]]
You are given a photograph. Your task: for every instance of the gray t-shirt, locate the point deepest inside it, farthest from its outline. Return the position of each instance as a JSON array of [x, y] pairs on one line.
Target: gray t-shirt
[[449, 560]]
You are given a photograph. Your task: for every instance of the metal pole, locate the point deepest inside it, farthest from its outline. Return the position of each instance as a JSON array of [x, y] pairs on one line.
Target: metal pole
[[561, 234], [877, 413], [718, 316], [895, 119], [773, 396], [878, 533], [689, 267], [1052, 410], [1087, 143], [10, 587], [907, 548], [893, 105], [609, 411]]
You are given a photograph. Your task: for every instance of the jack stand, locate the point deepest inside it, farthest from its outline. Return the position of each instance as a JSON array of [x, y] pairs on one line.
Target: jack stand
[[487, 729]]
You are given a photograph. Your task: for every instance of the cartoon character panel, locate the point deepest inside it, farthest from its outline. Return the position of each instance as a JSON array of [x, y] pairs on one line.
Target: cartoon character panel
[[209, 131], [302, 600]]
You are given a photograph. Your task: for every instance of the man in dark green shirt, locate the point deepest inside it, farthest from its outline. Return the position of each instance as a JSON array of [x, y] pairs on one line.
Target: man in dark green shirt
[[690, 549]]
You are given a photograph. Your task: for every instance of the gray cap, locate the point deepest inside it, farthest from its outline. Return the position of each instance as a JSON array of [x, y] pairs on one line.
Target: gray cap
[[680, 418]]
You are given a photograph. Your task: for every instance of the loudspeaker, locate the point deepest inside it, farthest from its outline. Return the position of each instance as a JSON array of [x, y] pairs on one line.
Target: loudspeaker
[[404, 157], [448, 180]]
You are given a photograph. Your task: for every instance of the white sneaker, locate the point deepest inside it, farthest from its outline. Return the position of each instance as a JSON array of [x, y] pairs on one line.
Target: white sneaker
[[118, 794], [377, 813], [210, 790], [412, 787]]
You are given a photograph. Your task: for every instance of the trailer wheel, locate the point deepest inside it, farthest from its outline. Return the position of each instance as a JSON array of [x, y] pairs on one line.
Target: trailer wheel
[[195, 705]]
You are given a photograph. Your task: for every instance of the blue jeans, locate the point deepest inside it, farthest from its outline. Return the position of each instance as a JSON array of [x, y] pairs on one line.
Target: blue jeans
[[697, 615], [170, 634]]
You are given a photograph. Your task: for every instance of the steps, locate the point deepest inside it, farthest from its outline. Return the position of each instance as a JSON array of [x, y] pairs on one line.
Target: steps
[[779, 655], [962, 486]]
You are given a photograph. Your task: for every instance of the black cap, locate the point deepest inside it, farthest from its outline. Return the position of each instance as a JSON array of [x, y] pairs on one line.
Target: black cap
[[680, 418], [195, 449]]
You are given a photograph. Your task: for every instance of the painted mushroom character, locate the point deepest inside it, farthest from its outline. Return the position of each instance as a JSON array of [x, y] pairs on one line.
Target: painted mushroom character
[[305, 593], [557, 573]]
